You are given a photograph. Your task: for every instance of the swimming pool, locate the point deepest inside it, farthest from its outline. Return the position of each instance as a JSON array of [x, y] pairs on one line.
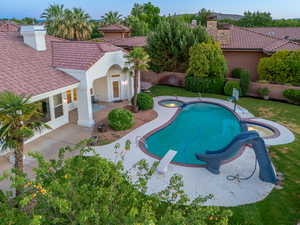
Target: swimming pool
[[196, 128]]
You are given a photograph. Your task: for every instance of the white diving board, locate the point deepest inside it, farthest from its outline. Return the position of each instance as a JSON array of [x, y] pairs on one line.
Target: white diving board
[[165, 161]]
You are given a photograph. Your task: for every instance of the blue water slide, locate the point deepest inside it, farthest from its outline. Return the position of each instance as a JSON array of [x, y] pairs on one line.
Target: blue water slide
[[214, 158]]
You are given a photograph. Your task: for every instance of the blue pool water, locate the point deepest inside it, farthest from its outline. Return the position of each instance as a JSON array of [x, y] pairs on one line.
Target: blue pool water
[[197, 128]]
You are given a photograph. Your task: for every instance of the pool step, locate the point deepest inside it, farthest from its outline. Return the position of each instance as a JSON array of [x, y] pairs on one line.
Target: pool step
[[165, 161]]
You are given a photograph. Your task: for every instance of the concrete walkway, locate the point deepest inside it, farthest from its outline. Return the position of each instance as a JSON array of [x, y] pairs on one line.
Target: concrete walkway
[[198, 181]]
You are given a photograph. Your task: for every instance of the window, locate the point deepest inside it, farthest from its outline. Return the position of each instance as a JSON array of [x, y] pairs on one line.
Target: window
[[69, 96], [58, 106], [75, 97], [45, 110], [115, 75]]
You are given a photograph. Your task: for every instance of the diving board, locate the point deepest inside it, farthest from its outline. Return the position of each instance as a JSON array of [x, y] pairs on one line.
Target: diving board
[[165, 161]]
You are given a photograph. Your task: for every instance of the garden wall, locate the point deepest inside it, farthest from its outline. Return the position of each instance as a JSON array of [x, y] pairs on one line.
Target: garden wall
[[275, 89], [167, 78]]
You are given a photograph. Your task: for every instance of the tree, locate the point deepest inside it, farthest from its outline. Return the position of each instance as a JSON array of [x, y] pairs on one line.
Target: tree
[[143, 18], [28, 20], [92, 190], [169, 45], [111, 18], [69, 24], [136, 62], [202, 16], [207, 61], [53, 15], [19, 120], [255, 19]]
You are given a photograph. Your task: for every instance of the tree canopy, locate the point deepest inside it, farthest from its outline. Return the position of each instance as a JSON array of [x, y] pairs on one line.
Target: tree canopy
[[168, 46], [111, 18], [92, 190], [71, 24]]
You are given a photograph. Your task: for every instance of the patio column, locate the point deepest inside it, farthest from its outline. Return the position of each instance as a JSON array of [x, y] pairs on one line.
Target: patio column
[[85, 110]]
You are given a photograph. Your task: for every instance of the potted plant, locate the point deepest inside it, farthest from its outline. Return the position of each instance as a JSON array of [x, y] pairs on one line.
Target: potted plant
[[264, 92]]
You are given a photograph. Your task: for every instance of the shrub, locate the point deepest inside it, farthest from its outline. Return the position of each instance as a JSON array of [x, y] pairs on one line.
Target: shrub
[[120, 119], [145, 101], [244, 81], [281, 67], [204, 85], [236, 72], [207, 61], [293, 95], [230, 85], [263, 92]]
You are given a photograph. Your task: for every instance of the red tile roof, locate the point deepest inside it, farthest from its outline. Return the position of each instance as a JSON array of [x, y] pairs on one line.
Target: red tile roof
[[246, 39], [80, 55], [24, 70], [290, 33], [129, 42], [114, 28], [8, 26]]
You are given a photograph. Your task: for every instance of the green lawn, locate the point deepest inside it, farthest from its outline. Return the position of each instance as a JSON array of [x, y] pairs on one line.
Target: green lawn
[[281, 207]]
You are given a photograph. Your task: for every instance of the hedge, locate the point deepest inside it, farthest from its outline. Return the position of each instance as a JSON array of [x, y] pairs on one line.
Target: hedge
[[293, 95], [204, 85]]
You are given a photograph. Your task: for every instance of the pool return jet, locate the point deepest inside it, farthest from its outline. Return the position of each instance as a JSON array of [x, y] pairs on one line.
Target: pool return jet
[[214, 159]]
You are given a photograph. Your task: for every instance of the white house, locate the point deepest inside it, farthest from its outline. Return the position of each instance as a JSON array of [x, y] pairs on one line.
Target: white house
[[62, 75]]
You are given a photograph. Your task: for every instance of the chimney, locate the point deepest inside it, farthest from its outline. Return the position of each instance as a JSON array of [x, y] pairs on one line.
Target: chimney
[[224, 33], [212, 26], [34, 36]]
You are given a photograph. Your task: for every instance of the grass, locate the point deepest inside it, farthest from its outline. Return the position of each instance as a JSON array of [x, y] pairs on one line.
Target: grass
[[281, 207]]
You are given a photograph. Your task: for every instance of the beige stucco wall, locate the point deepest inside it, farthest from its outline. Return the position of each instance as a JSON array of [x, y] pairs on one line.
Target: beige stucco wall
[[244, 59], [100, 89]]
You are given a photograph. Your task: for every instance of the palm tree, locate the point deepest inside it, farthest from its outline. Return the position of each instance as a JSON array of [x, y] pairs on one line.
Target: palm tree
[[111, 18], [68, 24], [53, 15], [136, 62], [19, 120]]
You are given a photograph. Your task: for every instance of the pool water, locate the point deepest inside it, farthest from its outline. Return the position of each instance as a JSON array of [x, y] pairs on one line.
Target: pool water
[[197, 128]]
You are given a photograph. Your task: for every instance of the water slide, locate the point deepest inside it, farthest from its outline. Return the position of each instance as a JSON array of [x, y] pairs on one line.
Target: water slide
[[214, 158]]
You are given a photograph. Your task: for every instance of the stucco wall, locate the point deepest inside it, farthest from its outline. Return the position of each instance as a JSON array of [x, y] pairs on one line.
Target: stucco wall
[[168, 78], [100, 89], [247, 60], [115, 35]]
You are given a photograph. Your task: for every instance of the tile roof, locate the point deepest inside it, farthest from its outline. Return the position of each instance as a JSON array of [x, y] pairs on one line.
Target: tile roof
[[130, 42], [79, 55], [24, 70], [246, 39], [8, 27], [114, 28], [290, 33]]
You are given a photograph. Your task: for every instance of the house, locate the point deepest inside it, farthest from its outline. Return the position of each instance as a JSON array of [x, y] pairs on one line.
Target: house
[[62, 75], [244, 47], [115, 31]]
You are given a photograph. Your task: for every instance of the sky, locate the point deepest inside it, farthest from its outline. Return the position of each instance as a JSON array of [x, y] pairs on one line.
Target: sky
[[97, 8]]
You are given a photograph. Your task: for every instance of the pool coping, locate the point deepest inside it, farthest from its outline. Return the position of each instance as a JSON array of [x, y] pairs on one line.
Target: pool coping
[[142, 146]]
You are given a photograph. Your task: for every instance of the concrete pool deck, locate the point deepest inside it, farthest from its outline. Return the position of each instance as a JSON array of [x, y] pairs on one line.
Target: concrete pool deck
[[199, 181]]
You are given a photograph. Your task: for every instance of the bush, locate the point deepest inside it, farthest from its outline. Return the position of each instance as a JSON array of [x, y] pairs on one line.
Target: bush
[[207, 61], [244, 81], [281, 67], [293, 95], [144, 101], [263, 92], [204, 85], [230, 85], [120, 119], [236, 72]]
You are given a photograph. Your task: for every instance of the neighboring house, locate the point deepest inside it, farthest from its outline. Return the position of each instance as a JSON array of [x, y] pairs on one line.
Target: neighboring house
[[8, 26], [62, 75], [243, 47], [289, 33], [115, 31]]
